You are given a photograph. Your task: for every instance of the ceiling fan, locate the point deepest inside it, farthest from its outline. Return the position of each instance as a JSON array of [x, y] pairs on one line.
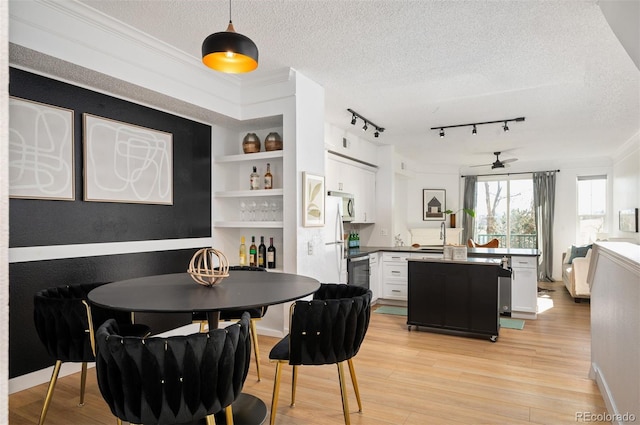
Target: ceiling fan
[[498, 163]]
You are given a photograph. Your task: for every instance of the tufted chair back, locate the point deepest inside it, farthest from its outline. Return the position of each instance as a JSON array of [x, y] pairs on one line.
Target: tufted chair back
[[62, 323], [65, 324], [172, 380], [328, 329]]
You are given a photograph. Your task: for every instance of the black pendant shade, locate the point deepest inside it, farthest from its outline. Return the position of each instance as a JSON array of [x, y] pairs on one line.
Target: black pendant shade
[[228, 51]]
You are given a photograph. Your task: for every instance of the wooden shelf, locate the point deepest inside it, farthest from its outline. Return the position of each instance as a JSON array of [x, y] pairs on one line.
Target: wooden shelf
[[248, 157], [248, 193], [249, 224]]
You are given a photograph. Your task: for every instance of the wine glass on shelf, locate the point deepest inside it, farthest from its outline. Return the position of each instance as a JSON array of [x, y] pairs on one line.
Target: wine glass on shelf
[[243, 211], [252, 210], [264, 211], [273, 206]]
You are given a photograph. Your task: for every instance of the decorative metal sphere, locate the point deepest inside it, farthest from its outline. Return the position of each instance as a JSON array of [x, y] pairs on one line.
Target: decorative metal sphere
[[202, 267]]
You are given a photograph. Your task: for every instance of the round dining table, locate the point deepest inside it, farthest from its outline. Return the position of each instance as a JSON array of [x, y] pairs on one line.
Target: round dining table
[[179, 293]]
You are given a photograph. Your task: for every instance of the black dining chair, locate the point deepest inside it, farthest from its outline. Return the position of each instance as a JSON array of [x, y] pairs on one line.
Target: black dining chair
[[65, 324], [326, 330], [173, 380], [233, 315]]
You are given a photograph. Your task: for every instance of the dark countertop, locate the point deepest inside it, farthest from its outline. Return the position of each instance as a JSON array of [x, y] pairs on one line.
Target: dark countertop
[[471, 252]]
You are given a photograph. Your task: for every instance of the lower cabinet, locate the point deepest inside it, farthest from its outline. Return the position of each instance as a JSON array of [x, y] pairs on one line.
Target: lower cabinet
[[460, 298], [524, 287]]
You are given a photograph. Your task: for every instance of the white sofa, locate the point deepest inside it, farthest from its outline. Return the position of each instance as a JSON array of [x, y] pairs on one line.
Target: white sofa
[[574, 275]]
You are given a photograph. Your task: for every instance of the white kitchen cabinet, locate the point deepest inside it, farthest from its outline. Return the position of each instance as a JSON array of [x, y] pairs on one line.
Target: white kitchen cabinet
[[524, 287], [344, 175], [374, 276]]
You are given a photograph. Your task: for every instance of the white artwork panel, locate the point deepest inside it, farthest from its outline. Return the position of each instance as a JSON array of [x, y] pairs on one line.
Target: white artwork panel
[[40, 151], [126, 163]]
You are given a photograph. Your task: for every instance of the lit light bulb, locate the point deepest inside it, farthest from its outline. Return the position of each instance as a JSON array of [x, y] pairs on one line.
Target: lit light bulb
[[230, 54]]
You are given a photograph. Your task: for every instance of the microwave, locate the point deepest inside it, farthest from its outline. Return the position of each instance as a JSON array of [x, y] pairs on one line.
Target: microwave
[[347, 210]]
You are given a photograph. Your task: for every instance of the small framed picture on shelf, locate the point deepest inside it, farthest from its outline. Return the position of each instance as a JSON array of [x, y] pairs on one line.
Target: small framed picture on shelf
[[312, 200], [433, 204]]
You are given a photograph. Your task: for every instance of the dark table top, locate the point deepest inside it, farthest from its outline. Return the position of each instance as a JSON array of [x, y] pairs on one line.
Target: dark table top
[[178, 292]]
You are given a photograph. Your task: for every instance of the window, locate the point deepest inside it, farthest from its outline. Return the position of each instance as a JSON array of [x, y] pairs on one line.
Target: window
[[592, 208], [504, 210]]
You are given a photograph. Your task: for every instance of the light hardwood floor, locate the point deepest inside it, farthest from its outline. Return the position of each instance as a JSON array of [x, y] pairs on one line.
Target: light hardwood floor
[[536, 375]]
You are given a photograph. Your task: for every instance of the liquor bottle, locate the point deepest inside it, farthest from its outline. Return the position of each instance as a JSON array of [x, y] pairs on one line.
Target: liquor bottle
[[271, 255], [268, 178], [243, 252], [262, 253], [253, 252], [255, 180]]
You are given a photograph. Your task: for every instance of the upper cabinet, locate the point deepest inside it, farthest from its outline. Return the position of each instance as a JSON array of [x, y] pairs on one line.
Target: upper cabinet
[[349, 176]]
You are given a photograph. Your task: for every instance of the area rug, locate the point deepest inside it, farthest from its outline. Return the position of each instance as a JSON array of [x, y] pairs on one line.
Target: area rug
[[390, 309], [511, 323]]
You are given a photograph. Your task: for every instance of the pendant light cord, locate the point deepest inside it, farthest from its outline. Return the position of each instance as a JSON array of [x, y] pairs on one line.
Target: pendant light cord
[[230, 11]]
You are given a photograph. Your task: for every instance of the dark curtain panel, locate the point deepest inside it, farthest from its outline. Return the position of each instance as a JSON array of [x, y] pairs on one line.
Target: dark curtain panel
[[469, 201], [544, 196]]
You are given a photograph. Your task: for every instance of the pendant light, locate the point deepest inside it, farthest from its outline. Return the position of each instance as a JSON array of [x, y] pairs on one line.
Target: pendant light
[[230, 52]]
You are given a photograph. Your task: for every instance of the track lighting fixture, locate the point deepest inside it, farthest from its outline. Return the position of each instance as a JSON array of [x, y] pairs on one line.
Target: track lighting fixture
[[367, 123], [229, 51], [474, 132]]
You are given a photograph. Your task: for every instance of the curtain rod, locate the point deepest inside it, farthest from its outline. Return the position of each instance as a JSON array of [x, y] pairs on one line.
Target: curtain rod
[[508, 174]]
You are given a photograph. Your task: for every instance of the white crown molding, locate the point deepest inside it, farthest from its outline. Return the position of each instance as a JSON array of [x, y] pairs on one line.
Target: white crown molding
[[80, 35]]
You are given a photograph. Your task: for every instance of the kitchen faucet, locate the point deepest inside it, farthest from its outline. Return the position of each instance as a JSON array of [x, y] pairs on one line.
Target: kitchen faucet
[[443, 234]]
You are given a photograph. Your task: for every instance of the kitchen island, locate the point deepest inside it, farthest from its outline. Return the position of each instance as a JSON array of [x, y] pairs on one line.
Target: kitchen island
[[389, 285], [457, 297]]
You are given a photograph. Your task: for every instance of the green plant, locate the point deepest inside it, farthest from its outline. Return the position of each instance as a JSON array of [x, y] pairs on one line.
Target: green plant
[[469, 211]]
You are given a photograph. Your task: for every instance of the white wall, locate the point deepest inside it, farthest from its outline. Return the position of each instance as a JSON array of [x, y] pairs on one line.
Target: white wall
[[4, 213], [626, 184]]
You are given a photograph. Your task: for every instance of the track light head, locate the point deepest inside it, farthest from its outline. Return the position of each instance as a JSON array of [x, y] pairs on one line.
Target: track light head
[[441, 133], [365, 126], [376, 134], [353, 119], [505, 127], [474, 131]]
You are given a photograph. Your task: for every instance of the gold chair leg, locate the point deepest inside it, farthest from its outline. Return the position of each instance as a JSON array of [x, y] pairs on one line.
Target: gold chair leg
[[83, 383], [211, 420], [276, 392], [256, 349], [203, 326], [294, 383], [118, 421], [354, 381], [228, 413], [52, 385], [343, 392]]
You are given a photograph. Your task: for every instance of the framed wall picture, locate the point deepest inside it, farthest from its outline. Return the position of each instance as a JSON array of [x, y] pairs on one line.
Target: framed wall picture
[[40, 151], [312, 200], [433, 204], [126, 163], [628, 220]]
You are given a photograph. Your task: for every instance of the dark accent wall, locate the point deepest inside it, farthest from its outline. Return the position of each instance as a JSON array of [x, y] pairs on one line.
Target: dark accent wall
[[42, 222], [39, 222]]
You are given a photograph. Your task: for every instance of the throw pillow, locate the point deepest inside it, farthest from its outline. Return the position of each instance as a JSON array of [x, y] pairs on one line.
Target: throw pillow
[[578, 251]]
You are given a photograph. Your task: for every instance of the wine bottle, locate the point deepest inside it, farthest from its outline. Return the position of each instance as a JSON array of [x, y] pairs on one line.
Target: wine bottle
[[268, 178], [243, 252], [271, 255], [262, 253], [253, 252], [255, 179]]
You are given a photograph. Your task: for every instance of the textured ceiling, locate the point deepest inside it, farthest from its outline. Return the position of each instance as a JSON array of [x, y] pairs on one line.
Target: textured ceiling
[[412, 65]]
